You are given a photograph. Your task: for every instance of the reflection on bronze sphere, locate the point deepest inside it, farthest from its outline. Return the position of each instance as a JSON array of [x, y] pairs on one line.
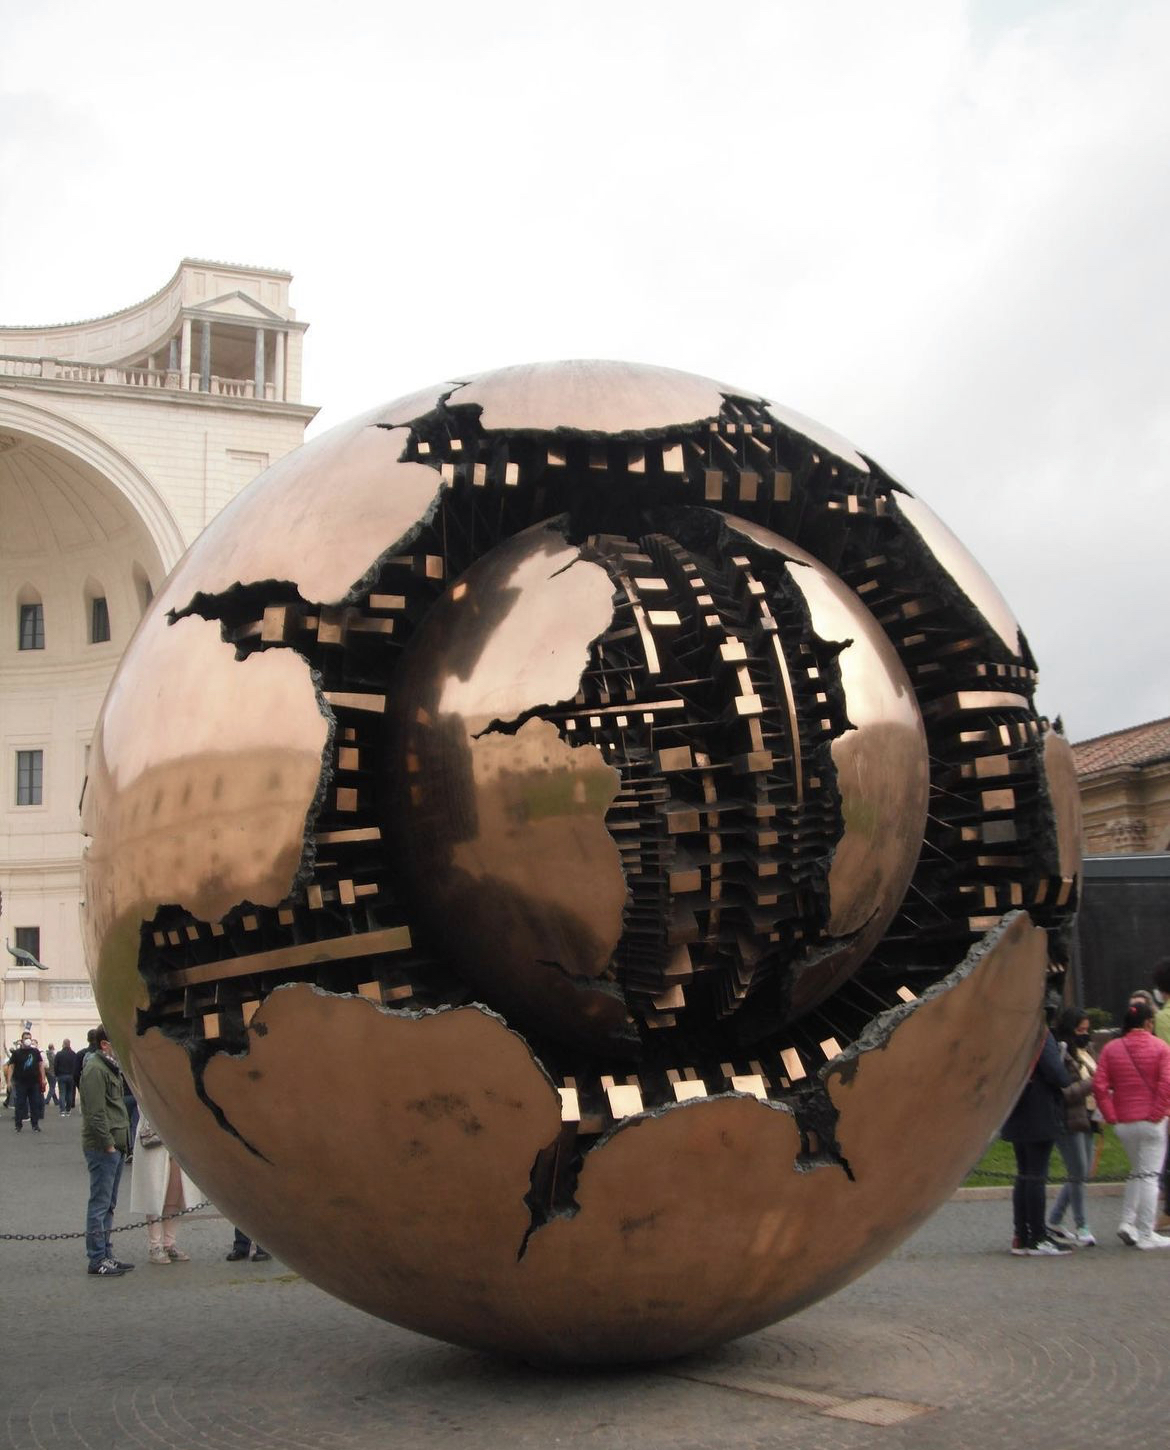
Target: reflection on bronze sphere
[[643, 792], [521, 814]]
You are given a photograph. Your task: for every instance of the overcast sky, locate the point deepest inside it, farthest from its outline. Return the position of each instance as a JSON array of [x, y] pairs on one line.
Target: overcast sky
[[939, 227]]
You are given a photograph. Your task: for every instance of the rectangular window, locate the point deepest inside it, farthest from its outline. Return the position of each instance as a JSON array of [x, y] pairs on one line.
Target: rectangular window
[[99, 619], [30, 765], [28, 939], [32, 626]]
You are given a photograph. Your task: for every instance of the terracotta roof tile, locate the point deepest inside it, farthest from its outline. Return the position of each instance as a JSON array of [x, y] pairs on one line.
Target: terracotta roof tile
[[1139, 745]]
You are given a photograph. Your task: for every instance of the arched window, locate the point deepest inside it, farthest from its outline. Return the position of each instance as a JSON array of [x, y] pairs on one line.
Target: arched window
[[97, 612], [143, 588], [31, 610]]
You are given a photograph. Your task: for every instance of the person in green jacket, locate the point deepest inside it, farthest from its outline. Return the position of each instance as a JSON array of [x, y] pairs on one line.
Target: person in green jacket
[[105, 1140]]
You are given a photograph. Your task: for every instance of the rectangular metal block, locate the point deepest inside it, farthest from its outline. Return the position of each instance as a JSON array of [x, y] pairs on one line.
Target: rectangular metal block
[[676, 757], [625, 1099]]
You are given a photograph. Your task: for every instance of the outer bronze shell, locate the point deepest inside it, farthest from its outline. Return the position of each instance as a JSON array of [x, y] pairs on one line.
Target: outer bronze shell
[[646, 791]]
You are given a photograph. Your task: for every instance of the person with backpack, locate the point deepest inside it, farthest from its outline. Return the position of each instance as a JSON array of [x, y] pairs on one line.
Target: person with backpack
[[1132, 1089], [25, 1074]]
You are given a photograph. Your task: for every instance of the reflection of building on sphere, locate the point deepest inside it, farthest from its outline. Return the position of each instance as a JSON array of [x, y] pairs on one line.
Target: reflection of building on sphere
[[659, 722]]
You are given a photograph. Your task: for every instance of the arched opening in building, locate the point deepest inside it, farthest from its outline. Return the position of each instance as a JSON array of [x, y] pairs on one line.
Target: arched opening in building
[[74, 552]]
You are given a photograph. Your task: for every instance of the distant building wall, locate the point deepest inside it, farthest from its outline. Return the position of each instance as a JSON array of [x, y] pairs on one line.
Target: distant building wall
[[1124, 780], [120, 439]]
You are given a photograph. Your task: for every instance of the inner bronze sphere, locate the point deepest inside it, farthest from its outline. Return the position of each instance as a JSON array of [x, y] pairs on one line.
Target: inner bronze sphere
[[614, 789], [641, 792]]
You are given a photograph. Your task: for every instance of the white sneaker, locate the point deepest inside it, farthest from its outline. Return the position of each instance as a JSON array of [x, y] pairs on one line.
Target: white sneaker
[[1125, 1233], [1046, 1249], [1154, 1241], [1085, 1239]]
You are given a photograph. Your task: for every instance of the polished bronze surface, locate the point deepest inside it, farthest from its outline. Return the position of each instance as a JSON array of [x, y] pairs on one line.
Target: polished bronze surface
[[1060, 775], [592, 398], [647, 789], [964, 570], [881, 761], [502, 824], [692, 1225]]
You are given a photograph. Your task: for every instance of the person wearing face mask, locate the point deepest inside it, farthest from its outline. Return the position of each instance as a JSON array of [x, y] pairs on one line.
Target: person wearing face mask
[[1075, 1140], [1132, 1088], [25, 1075]]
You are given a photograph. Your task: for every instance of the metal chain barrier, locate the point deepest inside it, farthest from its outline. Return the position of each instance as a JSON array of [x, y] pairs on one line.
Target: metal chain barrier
[[120, 1229]]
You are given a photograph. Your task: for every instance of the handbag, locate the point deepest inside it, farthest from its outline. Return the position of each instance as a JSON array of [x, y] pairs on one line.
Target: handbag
[[148, 1137]]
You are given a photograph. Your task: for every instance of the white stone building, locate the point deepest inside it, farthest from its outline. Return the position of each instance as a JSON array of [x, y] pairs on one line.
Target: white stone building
[[120, 438]]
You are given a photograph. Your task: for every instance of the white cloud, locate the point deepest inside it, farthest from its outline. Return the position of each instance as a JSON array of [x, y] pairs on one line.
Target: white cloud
[[935, 225]]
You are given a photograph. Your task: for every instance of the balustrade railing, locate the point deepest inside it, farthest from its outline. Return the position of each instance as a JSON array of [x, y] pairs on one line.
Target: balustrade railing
[[170, 379]]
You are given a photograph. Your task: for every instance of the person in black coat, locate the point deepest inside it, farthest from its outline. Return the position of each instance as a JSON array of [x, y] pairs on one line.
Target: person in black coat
[[1031, 1129], [66, 1065]]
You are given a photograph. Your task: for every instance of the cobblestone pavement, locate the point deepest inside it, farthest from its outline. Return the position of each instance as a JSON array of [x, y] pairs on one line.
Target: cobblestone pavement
[[952, 1341]]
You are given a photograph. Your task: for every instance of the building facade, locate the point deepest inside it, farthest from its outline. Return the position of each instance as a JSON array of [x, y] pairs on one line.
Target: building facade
[[1124, 780], [1123, 928], [120, 439]]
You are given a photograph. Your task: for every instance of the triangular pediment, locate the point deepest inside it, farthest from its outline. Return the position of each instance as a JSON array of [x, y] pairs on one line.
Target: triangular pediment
[[239, 304]]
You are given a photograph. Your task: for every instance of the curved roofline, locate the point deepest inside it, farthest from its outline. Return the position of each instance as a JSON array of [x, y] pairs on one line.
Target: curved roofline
[[152, 297]]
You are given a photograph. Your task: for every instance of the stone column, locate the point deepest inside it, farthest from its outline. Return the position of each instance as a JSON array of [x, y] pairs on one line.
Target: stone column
[[205, 359], [173, 355], [185, 358], [258, 369], [278, 368]]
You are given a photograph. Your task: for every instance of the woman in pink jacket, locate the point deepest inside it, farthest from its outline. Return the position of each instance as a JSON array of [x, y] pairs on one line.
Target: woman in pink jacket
[[1132, 1088]]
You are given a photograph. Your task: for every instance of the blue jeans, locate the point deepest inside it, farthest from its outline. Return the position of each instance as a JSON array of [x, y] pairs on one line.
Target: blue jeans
[[105, 1173], [65, 1087], [1077, 1151], [28, 1102]]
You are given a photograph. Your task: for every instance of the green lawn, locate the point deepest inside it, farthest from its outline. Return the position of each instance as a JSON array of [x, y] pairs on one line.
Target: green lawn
[[998, 1165]]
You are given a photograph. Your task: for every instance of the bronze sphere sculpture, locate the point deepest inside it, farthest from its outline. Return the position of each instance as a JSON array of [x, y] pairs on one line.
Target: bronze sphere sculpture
[[628, 801]]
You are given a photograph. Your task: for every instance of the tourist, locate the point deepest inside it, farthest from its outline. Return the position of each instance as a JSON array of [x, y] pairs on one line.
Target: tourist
[[160, 1189], [1161, 996], [241, 1243], [131, 1113], [105, 1140], [1075, 1140], [1132, 1088], [1162, 1030], [90, 1046], [1032, 1129], [51, 1076], [66, 1065], [25, 1074]]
